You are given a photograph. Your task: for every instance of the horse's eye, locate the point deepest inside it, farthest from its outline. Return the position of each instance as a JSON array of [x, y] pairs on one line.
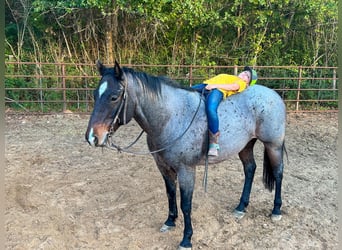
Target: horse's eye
[[113, 98]]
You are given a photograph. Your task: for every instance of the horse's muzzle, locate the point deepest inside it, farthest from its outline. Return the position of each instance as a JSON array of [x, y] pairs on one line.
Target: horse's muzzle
[[97, 136]]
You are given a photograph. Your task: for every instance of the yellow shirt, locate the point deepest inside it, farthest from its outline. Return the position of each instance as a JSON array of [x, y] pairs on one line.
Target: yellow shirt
[[227, 79]]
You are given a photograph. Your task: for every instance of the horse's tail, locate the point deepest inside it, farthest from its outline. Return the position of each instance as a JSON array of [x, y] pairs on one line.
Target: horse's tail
[[268, 173]]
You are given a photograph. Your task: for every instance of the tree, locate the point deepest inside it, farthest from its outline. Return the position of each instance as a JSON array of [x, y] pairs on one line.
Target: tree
[[173, 31]]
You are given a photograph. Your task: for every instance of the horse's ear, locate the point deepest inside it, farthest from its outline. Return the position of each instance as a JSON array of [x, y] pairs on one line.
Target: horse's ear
[[117, 70], [100, 67]]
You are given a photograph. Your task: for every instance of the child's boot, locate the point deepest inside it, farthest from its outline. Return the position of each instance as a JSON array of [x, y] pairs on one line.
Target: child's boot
[[213, 144]]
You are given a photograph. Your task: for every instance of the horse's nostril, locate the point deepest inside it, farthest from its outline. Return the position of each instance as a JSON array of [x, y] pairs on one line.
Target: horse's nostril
[[97, 137], [92, 138], [96, 141]]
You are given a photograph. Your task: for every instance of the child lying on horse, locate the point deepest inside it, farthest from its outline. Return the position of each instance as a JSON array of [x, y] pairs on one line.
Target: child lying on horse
[[218, 88]]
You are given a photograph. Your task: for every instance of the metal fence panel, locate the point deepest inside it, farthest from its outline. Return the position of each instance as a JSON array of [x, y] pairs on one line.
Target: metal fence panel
[[59, 87]]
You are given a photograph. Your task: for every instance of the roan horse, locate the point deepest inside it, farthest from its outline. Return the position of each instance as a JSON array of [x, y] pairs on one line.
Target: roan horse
[[175, 122]]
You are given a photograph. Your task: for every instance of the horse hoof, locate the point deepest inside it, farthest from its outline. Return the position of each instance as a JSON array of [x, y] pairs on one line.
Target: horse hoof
[[276, 217], [239, 214], [166, 228], [184, 248]]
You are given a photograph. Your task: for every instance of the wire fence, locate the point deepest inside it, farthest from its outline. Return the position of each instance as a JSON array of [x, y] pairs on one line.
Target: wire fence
[[61, 87]]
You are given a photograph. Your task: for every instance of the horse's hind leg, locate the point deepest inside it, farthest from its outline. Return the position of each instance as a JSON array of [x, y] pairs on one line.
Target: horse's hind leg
[[273, 174], [249, 166]]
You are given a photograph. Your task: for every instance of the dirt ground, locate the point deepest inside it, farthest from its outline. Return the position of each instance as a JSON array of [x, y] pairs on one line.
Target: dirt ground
[[63, 194]]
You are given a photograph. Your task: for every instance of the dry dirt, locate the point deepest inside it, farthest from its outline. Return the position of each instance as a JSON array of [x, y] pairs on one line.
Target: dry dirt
[[63, 194]]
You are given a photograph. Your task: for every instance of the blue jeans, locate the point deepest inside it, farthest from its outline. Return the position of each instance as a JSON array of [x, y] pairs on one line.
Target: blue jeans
[[213, 99]]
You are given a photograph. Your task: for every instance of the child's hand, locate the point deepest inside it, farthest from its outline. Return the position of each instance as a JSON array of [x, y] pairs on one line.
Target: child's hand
[[210, 86]]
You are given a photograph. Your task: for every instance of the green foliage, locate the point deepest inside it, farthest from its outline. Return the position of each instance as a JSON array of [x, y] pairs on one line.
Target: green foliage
[[255, 32]]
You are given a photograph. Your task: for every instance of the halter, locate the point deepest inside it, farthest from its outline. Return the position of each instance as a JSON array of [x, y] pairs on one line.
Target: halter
[[123, 96], [123, 103]]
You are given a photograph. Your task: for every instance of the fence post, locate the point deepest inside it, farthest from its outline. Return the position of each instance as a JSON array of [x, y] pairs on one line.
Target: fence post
[[64, 87], [334, 83], [235, 70], [38, 72], [298, 87], [190, 75]]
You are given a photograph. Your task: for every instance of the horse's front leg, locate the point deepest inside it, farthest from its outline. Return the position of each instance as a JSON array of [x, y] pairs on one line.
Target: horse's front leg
[[186, 176], [170, 184]]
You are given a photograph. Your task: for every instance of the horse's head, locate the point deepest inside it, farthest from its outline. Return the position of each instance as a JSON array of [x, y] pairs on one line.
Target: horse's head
[[109, 108]]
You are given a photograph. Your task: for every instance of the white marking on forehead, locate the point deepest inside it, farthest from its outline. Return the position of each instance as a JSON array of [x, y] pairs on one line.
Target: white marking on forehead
[[103, 88]]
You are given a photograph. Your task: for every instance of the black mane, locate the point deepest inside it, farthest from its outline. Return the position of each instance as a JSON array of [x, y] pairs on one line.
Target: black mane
[[151, 83]]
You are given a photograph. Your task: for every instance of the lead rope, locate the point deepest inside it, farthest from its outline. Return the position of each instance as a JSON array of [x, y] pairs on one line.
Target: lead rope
[[205, 176], [125, 149], [120, 149]]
